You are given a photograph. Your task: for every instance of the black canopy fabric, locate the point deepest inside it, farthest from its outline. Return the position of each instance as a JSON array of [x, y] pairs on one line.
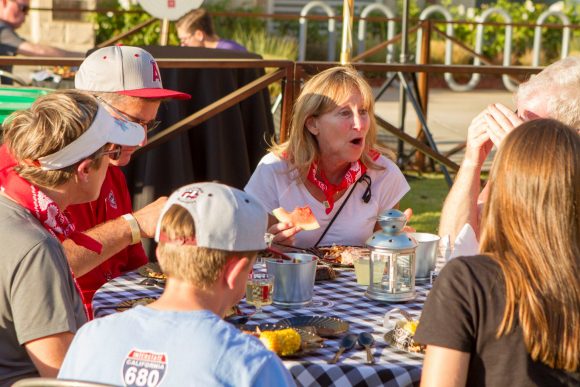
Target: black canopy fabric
[[226, 148]]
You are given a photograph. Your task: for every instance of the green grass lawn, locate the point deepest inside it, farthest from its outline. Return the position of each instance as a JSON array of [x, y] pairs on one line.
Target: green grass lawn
[[428, 191]]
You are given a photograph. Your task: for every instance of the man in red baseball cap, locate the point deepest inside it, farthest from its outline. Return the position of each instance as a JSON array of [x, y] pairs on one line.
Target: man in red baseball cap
[[128, 82]]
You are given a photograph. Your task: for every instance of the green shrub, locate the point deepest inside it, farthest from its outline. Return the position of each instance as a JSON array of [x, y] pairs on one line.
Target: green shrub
[[113, 24], [522, 37], [245, 29]]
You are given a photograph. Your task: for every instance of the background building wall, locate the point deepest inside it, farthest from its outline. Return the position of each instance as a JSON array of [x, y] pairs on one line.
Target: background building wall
[[70, 31]]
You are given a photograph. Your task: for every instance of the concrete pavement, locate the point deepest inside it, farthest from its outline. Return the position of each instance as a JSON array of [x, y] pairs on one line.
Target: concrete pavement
[[448, 117]]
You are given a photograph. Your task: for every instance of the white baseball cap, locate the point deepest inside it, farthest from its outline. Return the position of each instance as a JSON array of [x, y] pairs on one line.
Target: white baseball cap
[[225, 218], [123, 70], [103, 130]]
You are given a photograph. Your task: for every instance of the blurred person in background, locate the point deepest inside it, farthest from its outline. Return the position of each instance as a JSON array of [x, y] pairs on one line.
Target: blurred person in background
[[510, 316], [195, 29], [12, 16]]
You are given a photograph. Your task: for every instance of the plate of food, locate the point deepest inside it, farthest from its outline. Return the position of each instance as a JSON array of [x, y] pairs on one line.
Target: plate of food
[[324, 326], [401, 331], [342, 256], [152, 270], [287, 342], [67, 72], [402, 337], [128, 304]]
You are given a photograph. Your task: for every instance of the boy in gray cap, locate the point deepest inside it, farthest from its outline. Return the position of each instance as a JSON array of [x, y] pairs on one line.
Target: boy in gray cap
[[128, 82], [208, 235]]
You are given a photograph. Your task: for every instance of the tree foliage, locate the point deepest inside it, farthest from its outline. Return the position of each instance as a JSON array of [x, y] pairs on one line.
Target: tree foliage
[[108, 25]]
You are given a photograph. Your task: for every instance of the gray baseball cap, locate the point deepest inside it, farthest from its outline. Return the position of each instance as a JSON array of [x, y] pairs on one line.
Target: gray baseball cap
[[123, 70], [225, 218]]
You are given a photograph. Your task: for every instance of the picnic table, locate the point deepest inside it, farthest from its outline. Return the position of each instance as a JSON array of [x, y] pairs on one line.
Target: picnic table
[[341, 298]]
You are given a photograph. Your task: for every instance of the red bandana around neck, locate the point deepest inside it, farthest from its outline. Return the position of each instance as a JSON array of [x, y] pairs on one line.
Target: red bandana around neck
[[39, 205], [42, 208], [356, 170]]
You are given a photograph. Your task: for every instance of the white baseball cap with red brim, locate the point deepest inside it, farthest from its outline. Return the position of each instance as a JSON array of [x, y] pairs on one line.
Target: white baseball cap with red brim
[[123, 70]]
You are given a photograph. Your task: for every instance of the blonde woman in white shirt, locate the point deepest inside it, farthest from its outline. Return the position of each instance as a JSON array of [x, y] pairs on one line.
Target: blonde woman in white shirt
[[331, 151]]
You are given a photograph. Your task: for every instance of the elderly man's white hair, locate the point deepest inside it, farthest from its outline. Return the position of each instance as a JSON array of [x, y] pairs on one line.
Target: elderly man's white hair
[[558, 86]]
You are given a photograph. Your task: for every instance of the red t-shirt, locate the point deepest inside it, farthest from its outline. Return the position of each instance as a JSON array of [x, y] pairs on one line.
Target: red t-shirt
[[113, 202]]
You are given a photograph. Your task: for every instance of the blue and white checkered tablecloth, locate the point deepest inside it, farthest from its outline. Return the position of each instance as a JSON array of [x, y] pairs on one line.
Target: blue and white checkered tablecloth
[[341, 298]]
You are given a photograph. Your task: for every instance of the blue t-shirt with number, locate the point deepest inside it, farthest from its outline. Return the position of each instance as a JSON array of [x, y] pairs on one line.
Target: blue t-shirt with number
[[148, 347]]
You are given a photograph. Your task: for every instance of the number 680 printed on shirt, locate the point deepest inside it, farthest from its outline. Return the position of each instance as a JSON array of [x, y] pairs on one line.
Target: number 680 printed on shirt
[[144, 368]]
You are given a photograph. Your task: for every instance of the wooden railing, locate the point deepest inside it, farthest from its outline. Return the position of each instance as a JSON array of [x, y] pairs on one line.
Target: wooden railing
[[292, 75]]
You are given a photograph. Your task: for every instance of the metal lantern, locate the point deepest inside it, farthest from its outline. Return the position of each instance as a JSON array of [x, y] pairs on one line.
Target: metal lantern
[[393, 258]]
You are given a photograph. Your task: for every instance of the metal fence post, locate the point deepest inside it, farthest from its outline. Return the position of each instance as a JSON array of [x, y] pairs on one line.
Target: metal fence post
[[423, 85], [538, 35], [304, 30]]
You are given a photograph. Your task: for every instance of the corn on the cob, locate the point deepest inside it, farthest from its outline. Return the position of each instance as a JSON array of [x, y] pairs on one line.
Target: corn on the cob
[[284, 342], [411, 326]]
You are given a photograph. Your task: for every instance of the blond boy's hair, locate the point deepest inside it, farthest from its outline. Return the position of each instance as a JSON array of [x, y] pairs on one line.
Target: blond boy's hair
[[200, 266]]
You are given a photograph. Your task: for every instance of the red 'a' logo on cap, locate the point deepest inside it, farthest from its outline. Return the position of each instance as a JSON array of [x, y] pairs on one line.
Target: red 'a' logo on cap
[[189, 195], [156, 76]]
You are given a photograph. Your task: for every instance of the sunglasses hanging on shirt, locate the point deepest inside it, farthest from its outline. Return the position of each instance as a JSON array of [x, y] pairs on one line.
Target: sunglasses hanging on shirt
[[367, 194]]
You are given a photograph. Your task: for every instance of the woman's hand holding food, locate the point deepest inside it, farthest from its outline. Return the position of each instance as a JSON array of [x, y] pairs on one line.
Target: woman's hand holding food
[[283, 232], [284, 224]]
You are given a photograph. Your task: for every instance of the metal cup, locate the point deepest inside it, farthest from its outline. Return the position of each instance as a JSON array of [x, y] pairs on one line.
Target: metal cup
[[293, 280], [426, 254]]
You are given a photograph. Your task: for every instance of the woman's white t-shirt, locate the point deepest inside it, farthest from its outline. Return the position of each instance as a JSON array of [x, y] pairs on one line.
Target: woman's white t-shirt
[[275, 186]]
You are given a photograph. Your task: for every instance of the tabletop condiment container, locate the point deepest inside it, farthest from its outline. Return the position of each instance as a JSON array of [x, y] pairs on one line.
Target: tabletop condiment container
[[395, 249], [293, 280], [425, 255]]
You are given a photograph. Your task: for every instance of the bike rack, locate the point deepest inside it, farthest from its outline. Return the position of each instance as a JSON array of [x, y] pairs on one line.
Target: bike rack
[[432, 9], [362, 28], [476, 77], [304, 31], [538, 35]]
